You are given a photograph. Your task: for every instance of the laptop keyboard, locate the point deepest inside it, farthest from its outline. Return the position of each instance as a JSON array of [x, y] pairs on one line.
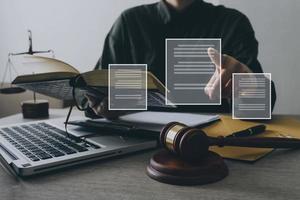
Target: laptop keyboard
[[42, 141]]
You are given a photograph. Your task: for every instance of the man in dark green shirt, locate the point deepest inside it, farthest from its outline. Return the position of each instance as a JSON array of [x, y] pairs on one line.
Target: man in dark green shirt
[[138, 36]]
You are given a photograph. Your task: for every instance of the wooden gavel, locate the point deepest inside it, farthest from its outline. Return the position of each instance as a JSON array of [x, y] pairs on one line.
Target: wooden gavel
[[192, 144]]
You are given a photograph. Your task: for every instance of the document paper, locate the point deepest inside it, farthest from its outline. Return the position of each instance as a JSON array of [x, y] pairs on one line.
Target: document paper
[[188, 71], [128, 87], [251, 96]]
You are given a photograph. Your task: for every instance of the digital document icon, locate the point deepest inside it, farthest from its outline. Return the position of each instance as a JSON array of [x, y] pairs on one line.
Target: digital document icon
[[251, 95], [189, 69], [127, 87]]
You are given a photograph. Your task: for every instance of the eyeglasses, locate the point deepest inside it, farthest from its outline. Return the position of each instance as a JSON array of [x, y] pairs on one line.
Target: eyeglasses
[[80, 91], [80, 99]]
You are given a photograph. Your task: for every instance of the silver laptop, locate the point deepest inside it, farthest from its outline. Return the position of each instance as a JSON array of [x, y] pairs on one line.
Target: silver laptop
[[37, 147]]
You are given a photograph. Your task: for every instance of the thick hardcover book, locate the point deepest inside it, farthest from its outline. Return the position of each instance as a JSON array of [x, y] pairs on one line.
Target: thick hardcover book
[[55, 78]]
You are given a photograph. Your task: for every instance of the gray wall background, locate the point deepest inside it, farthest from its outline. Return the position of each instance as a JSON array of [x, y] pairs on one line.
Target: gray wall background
[[76, 29]]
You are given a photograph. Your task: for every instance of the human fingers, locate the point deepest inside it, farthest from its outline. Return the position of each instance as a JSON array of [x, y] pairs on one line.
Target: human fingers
[[215, 57], [92, 101], [209, 85]]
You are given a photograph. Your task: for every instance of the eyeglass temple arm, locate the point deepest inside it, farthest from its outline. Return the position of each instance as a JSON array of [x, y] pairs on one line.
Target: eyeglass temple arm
[[67, 120]]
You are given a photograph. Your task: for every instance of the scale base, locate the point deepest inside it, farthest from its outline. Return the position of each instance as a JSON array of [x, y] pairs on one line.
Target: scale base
[[35, 109]]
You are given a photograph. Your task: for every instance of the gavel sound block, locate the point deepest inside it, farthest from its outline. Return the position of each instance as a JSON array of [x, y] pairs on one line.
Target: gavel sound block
[[186, 159]]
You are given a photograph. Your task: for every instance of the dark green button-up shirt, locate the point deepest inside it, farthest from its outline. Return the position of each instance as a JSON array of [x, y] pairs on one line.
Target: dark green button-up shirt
[[138, 36]]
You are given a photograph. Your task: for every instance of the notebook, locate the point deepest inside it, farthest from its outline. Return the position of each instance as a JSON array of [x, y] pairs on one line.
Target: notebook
[[148, 121]]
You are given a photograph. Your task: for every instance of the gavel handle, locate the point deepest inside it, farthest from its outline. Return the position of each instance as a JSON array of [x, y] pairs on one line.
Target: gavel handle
[[267, 142]]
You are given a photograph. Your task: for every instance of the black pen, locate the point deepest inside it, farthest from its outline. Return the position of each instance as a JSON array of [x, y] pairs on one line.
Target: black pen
[[255, 130]]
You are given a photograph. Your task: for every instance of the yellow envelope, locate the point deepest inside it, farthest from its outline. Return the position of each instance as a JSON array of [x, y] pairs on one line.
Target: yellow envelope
[[279, 126]]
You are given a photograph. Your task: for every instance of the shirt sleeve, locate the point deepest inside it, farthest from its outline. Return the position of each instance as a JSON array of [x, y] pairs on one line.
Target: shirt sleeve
[[115, 49], [244, 47], [243, 44]]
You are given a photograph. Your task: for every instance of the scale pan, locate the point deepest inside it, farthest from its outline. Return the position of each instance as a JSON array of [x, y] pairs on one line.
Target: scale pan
[[11, 90]]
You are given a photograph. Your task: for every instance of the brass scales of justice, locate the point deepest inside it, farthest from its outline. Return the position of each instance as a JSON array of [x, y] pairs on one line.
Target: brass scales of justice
[[32, 108]]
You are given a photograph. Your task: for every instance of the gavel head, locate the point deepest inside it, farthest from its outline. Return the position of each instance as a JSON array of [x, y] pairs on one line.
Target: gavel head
[[190, 144]]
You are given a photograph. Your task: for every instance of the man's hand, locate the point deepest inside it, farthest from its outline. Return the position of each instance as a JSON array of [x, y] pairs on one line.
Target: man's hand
[[228, 66], [100, 108]]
